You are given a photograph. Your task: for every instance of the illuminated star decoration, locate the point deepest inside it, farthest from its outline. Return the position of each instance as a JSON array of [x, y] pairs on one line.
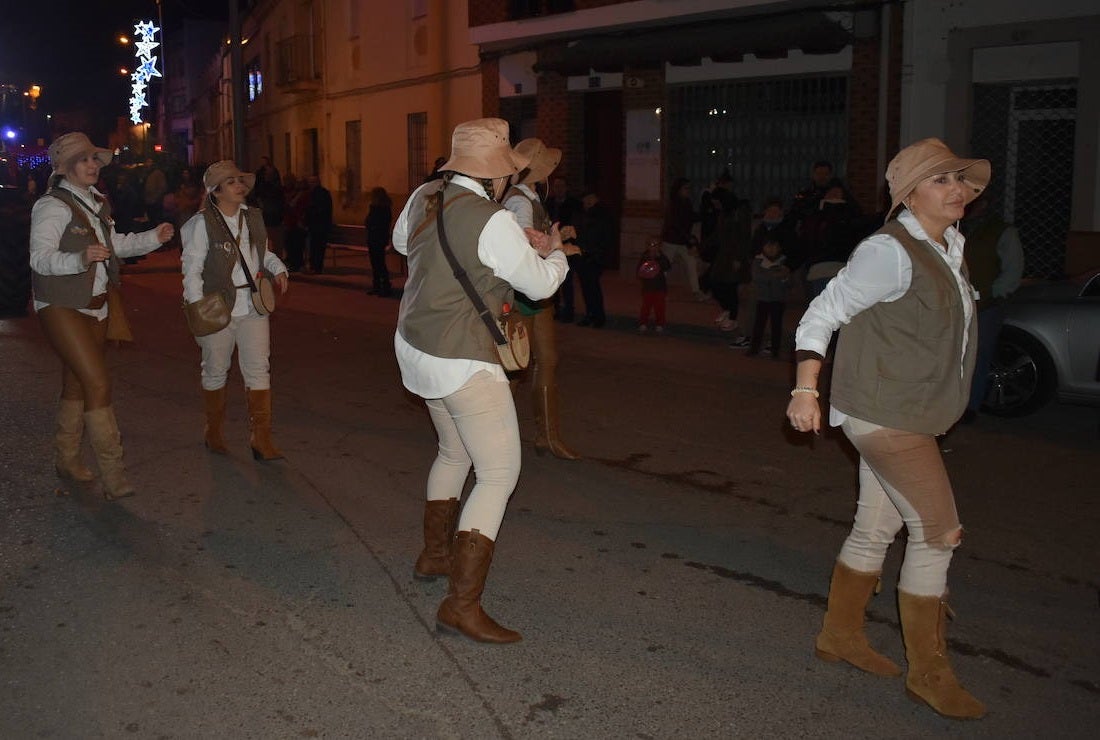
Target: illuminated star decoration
[[146, 69]]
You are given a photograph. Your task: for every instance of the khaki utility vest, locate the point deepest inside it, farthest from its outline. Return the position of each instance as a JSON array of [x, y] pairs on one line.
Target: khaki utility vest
[[221, 257], [75, 291], [436, 315], [897, 363]]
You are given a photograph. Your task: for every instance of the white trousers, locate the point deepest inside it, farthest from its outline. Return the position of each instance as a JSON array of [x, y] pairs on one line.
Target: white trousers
[[477, 427], [250, 335], [672, 251], [902, 482]]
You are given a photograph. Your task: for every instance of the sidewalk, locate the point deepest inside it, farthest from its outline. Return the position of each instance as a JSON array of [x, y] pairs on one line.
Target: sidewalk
[[687, 317]]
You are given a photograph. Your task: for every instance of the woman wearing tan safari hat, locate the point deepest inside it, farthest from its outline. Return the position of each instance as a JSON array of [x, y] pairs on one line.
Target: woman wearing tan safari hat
[[215, 242], [905, 311], [525, 203], [448, 357], [74, 256]]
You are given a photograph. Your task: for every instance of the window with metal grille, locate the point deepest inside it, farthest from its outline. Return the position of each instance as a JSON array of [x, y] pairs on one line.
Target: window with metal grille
[[1026, 131], [418, 148], [767, 133]]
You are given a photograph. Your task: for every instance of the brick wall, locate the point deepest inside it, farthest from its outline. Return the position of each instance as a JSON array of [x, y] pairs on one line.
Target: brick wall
[[865, 172], [561, 124], [490, 87]]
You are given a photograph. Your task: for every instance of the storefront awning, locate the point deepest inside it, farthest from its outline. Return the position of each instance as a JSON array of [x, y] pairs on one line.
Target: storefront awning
[[722, 41]]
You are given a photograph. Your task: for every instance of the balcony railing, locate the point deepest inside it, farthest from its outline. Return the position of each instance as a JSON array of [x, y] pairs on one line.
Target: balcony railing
[[295, 64]]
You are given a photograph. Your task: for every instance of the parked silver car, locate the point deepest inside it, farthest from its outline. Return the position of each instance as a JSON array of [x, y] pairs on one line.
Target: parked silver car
[[1050, 345]]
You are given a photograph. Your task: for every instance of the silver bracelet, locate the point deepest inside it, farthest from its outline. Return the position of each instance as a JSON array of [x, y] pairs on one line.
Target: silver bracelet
[[805, 389]]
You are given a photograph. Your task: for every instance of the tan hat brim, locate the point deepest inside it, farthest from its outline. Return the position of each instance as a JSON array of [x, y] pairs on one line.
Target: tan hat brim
[[978, 174], [542, 165], [103, 156], [248, 177], [501, 162]]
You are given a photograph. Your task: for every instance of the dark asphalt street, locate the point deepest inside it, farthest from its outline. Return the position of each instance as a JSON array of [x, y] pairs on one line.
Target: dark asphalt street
[[669, 585]]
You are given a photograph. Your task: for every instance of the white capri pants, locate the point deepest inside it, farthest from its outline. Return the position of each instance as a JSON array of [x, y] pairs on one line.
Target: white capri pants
[[250, 335], [477, 427]]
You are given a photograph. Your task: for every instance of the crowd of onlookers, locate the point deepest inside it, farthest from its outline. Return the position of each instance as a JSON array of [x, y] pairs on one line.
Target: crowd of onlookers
[[297, 210], [739, 258], [748, 262]]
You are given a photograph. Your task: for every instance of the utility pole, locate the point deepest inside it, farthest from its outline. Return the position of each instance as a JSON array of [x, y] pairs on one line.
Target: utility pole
[[162, 124], [236, 81]]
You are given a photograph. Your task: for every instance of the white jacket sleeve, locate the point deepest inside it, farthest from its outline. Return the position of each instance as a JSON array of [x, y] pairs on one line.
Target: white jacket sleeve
[[49, 217], [879, 270], [135, 244], [503, 247], [195, 247]]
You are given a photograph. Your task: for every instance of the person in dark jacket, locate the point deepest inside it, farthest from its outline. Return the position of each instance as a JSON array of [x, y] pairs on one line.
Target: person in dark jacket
[[378, 238], [564, 209], [595, 234], [318, 223], [677, 241]]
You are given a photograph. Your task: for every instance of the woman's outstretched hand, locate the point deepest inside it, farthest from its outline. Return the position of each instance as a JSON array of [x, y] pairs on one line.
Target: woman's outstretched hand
[[165, 232]]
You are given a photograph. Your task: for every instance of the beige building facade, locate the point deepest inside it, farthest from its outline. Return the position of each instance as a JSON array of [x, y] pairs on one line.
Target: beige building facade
[[361, 94]]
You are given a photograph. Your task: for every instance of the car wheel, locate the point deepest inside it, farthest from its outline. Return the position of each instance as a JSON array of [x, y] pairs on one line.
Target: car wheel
[[1022, 377]]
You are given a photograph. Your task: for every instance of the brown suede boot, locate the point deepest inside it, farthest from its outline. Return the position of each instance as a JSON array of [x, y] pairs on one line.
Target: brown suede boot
[[214, 401], [471, 554], [70, 433], [842, 636], [259, 423], [439, 527], [107, 443], [930, 679], [548, 436]]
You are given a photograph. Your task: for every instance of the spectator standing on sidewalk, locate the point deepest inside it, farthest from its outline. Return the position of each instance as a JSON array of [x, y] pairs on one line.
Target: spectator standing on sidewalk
[[377, 224], [318, 223], [595, 235], [729, 252], [772, 279], [652, 266], [564, 210], [677, 241]]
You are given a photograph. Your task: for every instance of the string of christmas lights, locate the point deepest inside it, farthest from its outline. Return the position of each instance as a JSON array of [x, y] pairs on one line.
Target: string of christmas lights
[[146, 69]]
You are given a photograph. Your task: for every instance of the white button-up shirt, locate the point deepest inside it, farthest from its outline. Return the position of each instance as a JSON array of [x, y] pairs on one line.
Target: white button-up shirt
[[503, 248], [879, 271], [196, 245], [49, 219]]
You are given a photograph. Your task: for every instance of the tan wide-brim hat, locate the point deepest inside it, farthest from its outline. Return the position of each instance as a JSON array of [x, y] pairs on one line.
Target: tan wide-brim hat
[[481, 149], [542, 161], [926, 158], [67, 149], [219, 172]]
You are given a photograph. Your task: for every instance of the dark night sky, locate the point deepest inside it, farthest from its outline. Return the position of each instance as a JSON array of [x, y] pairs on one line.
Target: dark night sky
[[68, 47]]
